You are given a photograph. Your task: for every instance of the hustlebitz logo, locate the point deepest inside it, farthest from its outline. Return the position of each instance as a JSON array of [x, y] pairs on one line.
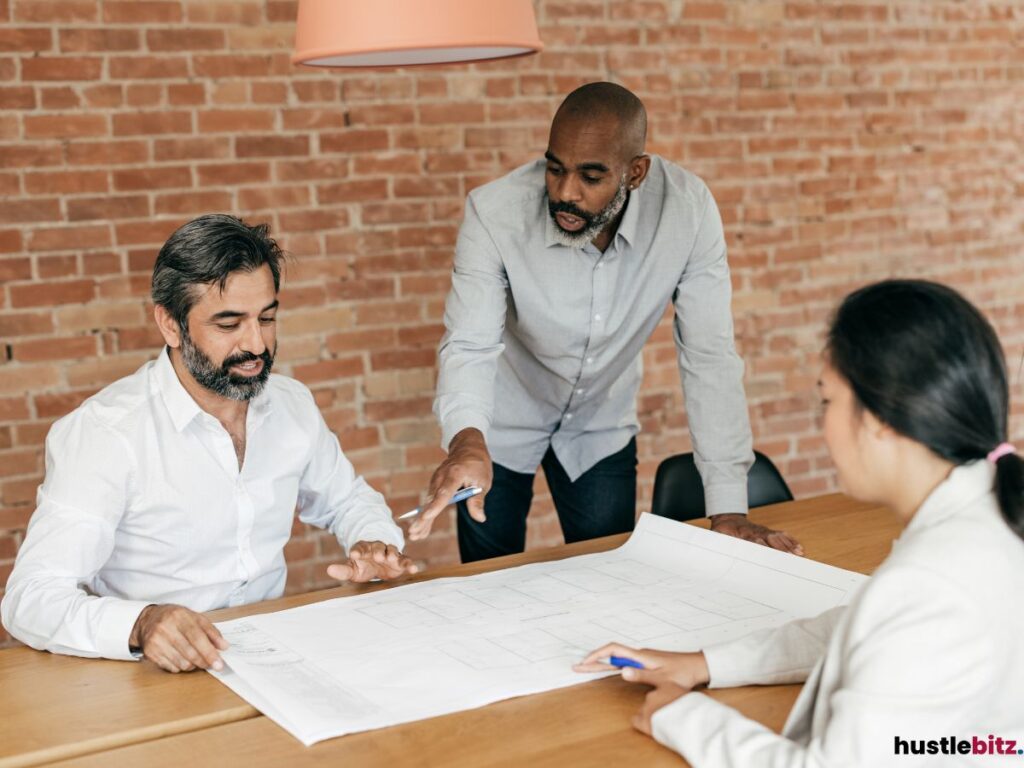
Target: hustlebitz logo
[[955, 745]]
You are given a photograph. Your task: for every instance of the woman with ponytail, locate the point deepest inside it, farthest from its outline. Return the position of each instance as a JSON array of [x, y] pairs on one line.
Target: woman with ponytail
[[925, 666]]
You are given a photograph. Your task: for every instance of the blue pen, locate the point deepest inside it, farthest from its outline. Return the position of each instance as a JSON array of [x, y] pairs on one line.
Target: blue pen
[[462, 495], [622, 661]]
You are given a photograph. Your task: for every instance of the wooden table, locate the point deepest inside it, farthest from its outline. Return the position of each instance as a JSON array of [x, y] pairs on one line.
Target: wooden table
[[104, 713]]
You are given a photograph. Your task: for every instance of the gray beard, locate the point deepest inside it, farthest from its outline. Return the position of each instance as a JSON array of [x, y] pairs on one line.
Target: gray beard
[[216, 378], [599, 222]]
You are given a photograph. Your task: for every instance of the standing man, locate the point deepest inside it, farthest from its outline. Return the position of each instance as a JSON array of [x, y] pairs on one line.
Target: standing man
[[173, 490], [563, 269]]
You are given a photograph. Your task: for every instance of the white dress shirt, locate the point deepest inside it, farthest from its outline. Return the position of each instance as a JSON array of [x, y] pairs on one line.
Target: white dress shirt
[[143, 502], [932, 646], [543, 343]]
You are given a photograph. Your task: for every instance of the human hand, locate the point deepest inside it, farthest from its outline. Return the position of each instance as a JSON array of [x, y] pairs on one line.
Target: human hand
[[685, 670], [740, 527], [662, 695], [177, 639], [468, 464], [368, 560]]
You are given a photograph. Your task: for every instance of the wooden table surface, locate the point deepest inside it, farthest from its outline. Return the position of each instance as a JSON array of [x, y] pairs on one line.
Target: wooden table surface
[[102, 713]]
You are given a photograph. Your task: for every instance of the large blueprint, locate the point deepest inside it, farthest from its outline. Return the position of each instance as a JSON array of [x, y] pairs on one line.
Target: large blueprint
[[427, 649]]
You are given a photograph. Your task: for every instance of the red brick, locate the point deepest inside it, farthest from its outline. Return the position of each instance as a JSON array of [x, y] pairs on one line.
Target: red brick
[[148, 67], [25, 323], [106, 153], [17, 97], [61, 68], [163, 177], [134, 12], [52, 294], [232, 120], [233, 173], [27, 39], [192, 202], [66, 182], [61, 97], [63, 126], [56, 11], [191, 39], [99, 40], [152, 123], [118, 207], [328, 370], [67, 348], [10, 240], [15, 269], [198, 148], [402, 358], [23, 211], [271, 146], [67, 238]]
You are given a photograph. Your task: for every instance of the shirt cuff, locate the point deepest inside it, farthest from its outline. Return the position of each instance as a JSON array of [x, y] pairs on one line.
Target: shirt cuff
[[724, 661], [115, 629], [669, 724], [460, 421], [726, 499]]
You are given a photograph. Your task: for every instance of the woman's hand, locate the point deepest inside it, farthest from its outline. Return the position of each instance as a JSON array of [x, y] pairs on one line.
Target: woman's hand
[[686, 670]]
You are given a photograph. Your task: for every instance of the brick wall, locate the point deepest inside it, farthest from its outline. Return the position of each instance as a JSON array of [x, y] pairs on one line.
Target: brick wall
[[844, 142]]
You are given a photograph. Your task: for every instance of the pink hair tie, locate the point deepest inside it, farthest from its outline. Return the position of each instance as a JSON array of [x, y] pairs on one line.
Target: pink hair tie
[[999, 451]]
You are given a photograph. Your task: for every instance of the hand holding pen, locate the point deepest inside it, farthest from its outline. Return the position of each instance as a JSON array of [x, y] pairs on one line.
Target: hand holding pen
[[468, 466]]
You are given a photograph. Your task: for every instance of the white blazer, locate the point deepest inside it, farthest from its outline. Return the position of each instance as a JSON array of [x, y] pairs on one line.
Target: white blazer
[[931, 647]]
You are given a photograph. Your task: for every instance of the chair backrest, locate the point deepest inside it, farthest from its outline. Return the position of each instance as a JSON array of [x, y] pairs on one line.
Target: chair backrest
[[679, 492]]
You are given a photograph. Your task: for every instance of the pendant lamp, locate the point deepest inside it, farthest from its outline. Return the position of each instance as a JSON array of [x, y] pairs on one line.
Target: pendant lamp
[[383, 33]]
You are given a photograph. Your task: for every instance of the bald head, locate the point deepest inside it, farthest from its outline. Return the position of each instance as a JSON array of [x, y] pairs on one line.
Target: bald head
[[607, 103]]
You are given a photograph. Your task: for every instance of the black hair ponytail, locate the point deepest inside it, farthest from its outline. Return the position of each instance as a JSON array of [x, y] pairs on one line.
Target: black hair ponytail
[[925, 361]]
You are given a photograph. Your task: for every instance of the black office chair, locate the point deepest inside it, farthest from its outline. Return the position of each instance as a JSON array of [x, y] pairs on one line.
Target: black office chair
[[679, 492]]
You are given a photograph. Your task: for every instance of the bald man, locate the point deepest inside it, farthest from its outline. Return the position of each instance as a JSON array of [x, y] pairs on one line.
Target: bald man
[[563, 269]]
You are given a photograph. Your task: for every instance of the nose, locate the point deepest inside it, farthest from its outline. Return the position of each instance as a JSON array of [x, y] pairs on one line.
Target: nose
[[252, 341], [569, 189]]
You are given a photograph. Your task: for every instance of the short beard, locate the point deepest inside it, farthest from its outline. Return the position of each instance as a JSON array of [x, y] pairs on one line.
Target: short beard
[[219, 379], [595, 222]]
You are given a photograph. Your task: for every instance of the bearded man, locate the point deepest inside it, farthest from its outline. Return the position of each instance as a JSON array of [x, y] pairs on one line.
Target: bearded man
[[173, 490], [563, 269]]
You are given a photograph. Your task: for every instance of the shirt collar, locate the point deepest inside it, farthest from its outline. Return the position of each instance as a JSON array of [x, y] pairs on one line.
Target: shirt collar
[[965, 485], [178, 401], [183, 409], [626, 230]]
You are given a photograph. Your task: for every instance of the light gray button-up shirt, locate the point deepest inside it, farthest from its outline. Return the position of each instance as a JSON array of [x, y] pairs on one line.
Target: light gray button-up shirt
[[543, 341]]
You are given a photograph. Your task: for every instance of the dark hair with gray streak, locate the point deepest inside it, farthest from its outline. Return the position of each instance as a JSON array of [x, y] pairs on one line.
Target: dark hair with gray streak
[[206, 251]]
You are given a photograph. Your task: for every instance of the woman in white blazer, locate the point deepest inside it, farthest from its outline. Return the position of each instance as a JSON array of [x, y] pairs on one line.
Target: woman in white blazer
[[925, 666]]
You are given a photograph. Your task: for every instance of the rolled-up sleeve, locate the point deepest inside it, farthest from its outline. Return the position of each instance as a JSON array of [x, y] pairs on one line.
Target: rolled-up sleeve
[[70, 537], [474, 320], [711, 371]]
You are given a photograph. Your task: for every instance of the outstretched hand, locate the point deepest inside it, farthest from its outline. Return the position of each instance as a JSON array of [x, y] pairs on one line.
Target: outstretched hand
[[740, 527], [369, 560]]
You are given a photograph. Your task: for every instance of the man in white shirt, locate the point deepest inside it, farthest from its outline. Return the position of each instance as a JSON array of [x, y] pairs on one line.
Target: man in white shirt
[[172, 491]]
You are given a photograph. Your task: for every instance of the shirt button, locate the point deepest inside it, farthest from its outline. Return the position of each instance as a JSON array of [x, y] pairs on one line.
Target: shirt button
[[579, 391], [590, 359], [568, 416], [597, 317]]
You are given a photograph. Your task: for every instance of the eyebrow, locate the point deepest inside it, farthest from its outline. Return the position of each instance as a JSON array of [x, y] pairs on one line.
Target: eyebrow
[[230, 314], [600, 167]]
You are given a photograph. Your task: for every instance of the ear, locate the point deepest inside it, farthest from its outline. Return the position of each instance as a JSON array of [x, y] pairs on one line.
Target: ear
[[638, 168], [878, 429], [168, 326]]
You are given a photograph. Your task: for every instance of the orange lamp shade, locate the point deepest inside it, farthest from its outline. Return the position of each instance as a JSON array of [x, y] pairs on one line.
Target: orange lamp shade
[[381, 33]]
